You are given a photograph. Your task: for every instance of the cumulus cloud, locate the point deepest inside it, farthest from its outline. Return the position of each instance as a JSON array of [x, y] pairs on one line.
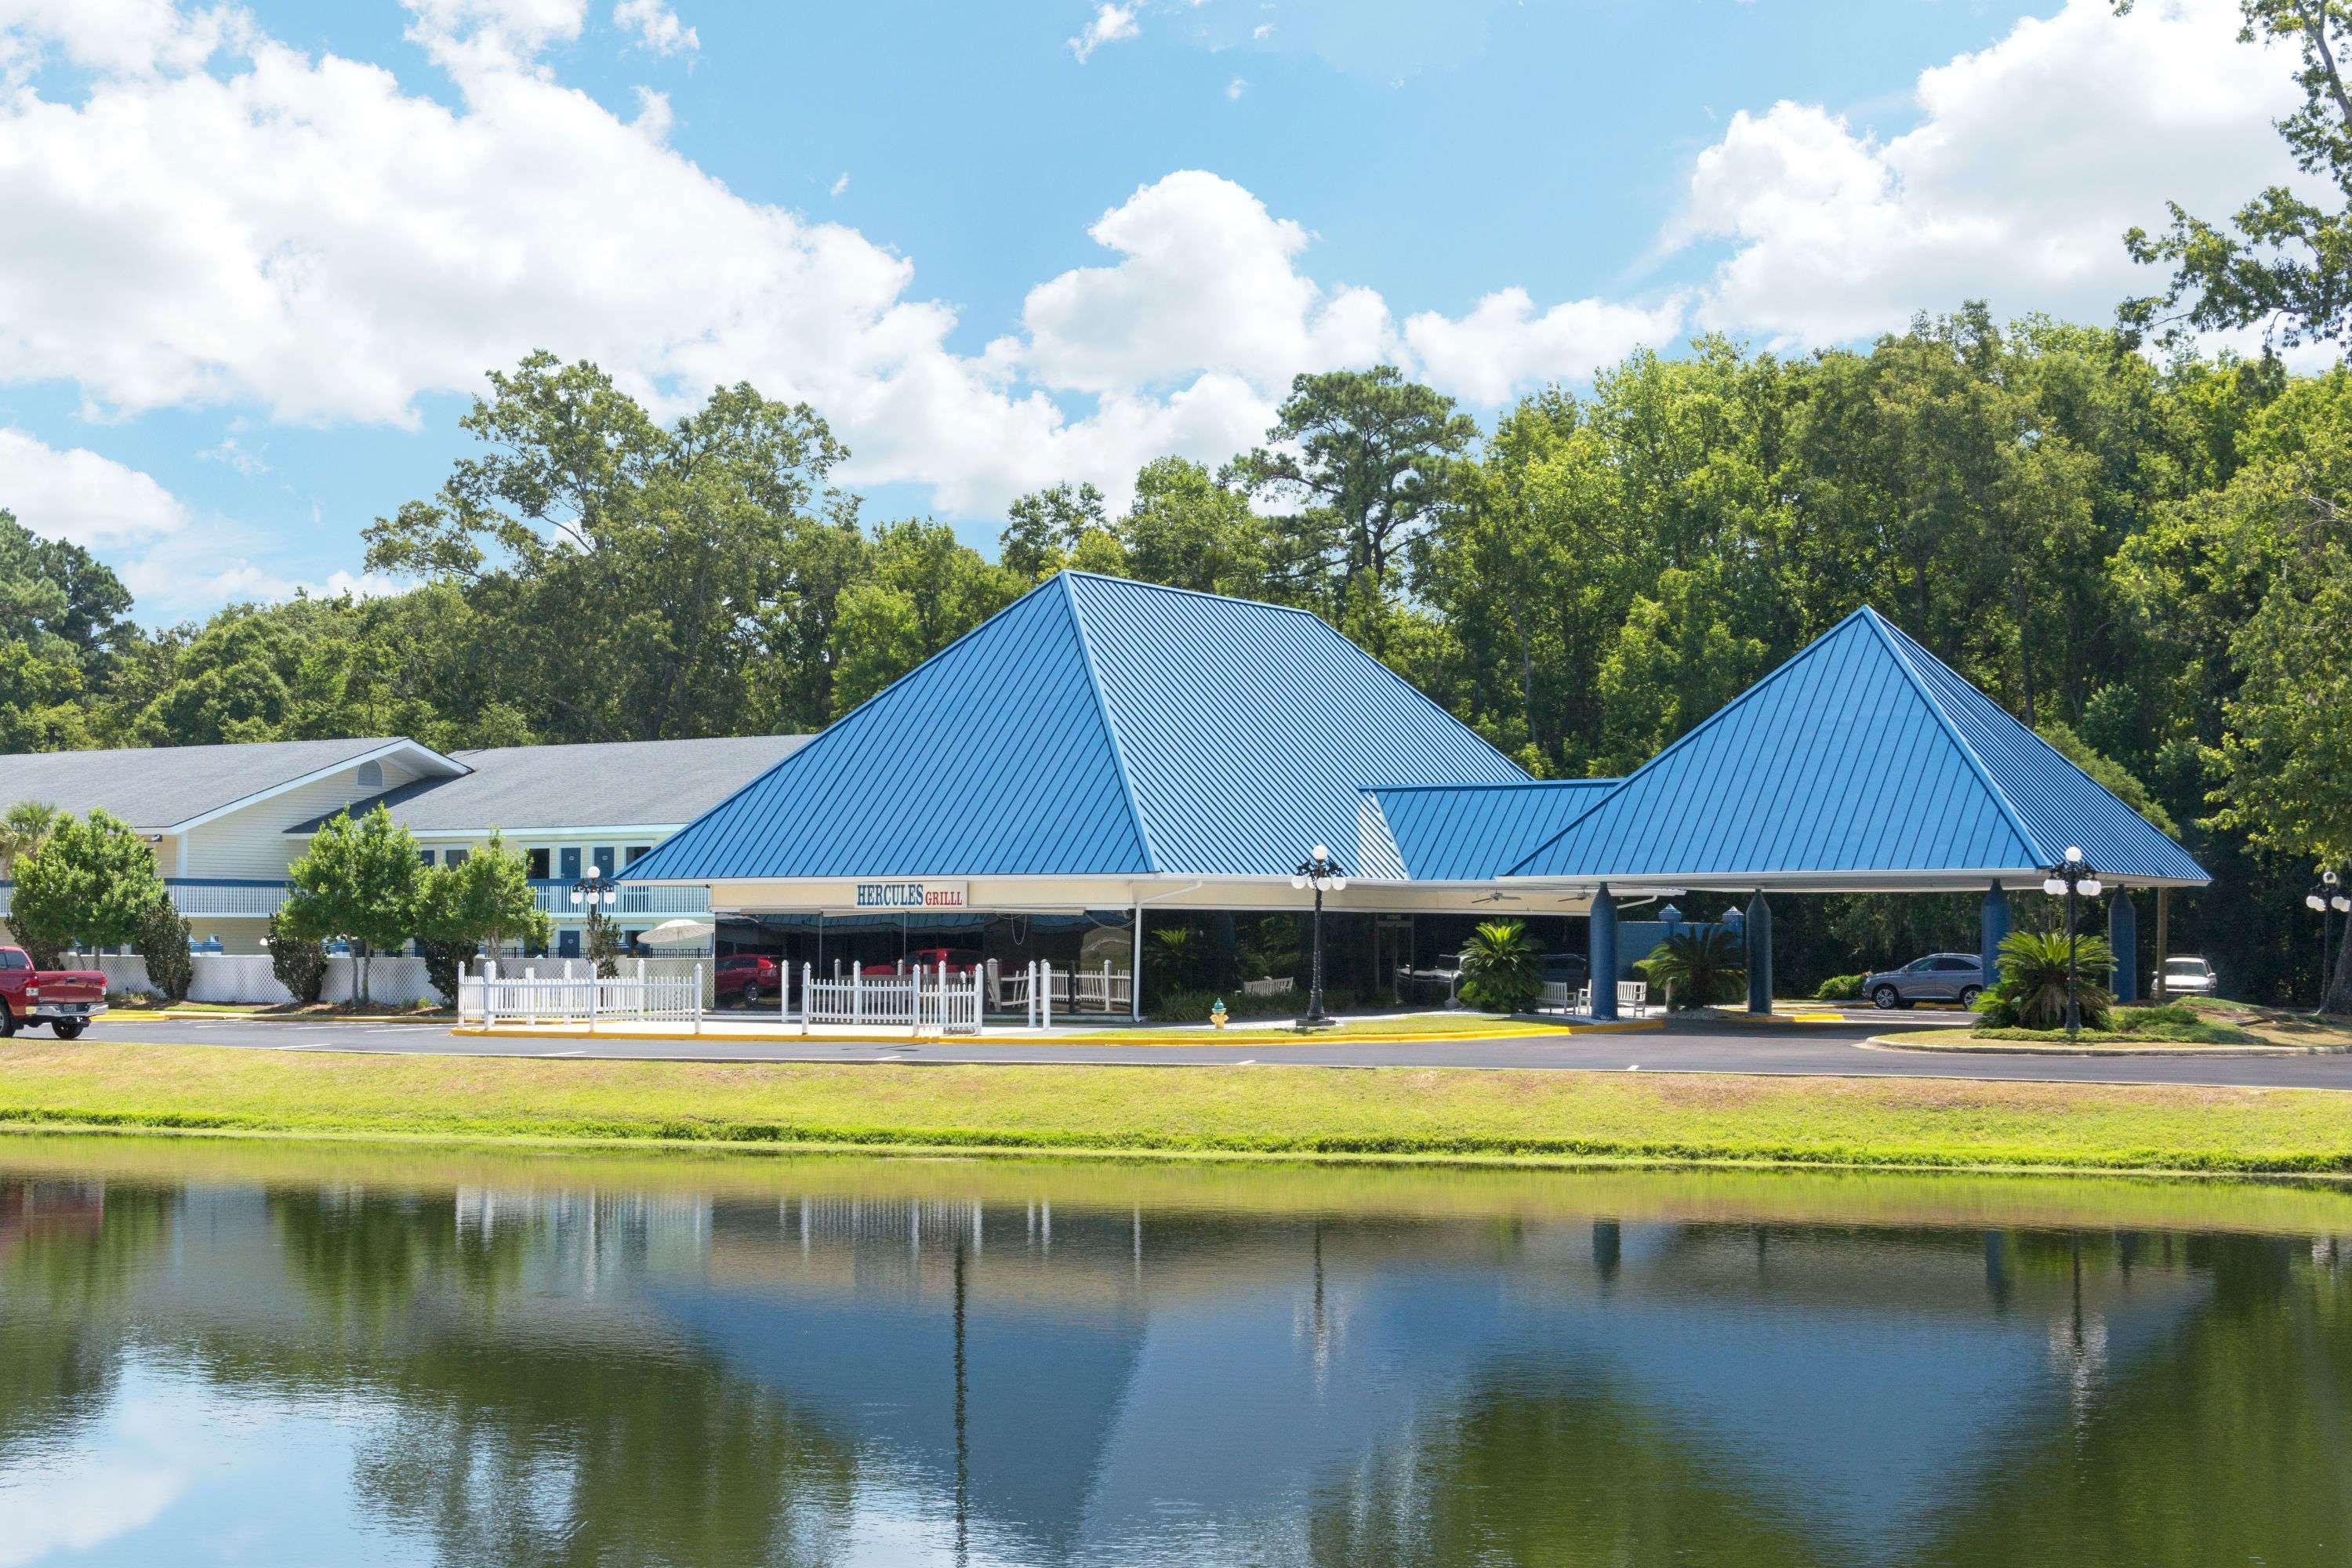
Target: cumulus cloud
[[1505, 344], [656, 27], [1111, 23], [78, 495], [2030, 160]]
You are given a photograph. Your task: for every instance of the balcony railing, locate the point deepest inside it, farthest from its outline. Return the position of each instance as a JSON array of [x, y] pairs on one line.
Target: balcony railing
[[554, 898], [212, 898]]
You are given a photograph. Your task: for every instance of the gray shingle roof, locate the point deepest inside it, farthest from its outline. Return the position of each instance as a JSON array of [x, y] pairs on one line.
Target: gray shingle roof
[[613, 783], [162, 786]]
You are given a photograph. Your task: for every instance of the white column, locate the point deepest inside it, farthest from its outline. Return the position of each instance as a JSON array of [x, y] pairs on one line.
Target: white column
[[1135, 973]]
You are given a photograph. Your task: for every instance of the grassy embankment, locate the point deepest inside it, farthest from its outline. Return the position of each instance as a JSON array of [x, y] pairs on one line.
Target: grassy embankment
[[2189, 1022], [1562, 1117]]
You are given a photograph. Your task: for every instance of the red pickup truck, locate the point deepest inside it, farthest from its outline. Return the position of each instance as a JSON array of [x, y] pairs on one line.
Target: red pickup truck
[[64, 999]]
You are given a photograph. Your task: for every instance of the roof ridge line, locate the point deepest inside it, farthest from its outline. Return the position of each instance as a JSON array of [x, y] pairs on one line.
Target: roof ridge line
[[1488, 784], [1687, 736], [1189, 592], [1102, 711], [1883, 629]]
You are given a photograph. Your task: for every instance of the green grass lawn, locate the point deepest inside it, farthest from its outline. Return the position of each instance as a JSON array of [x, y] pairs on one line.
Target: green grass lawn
[[1376, 1027], [1284, 1110]]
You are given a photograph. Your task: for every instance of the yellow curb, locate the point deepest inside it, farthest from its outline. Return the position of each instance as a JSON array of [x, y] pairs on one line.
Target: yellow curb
[[1233, 1038]]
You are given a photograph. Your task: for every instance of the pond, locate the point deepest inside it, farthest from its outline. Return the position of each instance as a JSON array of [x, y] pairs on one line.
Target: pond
[[279, 1354]]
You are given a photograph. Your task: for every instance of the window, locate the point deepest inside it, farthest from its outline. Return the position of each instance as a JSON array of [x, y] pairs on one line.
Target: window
[[371, 775], [636, 852], [539, 869], [567, 942], [603, 859], [424, 857], [13, 960], [570, 861], [456, 857], [1954, 962]]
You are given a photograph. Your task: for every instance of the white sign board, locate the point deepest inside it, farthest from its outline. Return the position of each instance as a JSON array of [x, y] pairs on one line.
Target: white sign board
[[902, 895]]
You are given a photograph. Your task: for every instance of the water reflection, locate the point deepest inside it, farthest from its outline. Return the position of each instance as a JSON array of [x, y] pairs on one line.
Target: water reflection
[[885, 1363]]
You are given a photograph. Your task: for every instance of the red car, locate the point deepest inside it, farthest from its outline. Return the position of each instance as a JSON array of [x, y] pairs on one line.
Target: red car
[[957, 961], [64, 999], [749, 978]]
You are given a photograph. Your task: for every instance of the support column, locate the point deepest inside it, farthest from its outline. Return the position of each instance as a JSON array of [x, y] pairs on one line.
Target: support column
[[1134, 974], [1992, 933], [1759, 955], [1602, 951], [2122, 936], [2163, 939]]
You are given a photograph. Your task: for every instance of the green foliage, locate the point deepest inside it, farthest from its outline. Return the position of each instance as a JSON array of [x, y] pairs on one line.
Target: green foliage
[[483, 900], [2032, 990], [90, 883], [1703, 964], [1192, 1007], [1839, 988], [358, 881], [24, 828], [603, 943], [1502, 967], [163, 942], [299, 961]]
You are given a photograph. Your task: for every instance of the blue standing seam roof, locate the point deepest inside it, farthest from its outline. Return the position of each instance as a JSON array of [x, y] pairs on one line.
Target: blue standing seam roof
[[1467, 833], [1095, 727], [1863, 753]]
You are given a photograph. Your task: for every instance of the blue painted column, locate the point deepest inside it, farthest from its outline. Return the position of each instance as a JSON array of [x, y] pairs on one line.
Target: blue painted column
[[2122, 936], [1604, 953], [1995, 932], [1759, 955]]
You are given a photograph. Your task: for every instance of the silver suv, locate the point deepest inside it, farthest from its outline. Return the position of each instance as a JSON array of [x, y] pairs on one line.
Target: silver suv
[[1939, 977]]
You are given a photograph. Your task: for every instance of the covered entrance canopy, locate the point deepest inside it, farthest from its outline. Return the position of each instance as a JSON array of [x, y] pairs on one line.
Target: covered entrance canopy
[[1104, 744]]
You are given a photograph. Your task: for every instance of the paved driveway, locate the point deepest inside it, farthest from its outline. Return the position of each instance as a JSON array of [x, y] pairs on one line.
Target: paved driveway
[[1815, 1050]]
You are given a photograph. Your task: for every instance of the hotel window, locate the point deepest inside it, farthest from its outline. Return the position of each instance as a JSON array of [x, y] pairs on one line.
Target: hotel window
[[539, 866], [424, 857], [456, 857], [635, 853]]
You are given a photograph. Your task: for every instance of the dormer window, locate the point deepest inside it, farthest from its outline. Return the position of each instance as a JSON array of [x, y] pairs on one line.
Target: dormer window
[[371, 775]]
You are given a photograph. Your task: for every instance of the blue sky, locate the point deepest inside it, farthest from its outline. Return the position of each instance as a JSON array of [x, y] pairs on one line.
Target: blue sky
[[272, 249]]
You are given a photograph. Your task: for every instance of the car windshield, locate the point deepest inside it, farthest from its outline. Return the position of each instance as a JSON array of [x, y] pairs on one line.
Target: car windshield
[[2186, 966]]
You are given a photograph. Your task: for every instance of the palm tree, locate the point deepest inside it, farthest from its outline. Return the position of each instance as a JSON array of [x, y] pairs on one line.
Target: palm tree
[[24, 828], [2033, 979], [1698, 965], [1502, 968]]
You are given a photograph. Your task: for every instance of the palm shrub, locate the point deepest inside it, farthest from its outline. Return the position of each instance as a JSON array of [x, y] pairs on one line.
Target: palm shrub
[[2032, 990], [1702, 965], [163, 942], [298, 962], [1502, 968]]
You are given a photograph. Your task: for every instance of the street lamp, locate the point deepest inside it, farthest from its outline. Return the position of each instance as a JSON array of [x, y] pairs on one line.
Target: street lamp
[[2072, 876], [593, 891], [1323, 874], [2328, 895]]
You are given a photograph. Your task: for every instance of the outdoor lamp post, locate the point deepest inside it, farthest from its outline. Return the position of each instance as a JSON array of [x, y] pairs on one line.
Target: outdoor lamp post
[[594, 890], [1323, 874], [2328, 896], [2072, 876]]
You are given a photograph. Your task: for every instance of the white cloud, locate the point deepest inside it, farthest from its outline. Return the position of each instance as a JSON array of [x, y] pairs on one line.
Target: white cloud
[[1111, 23], [1235, 88], [2030, 160], [656, 24], [75, 494], [1504, 344], [840, 185]]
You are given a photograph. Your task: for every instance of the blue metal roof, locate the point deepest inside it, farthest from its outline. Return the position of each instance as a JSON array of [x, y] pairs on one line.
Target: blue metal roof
[[1467, 833], [1866, 755], [1096, 726]]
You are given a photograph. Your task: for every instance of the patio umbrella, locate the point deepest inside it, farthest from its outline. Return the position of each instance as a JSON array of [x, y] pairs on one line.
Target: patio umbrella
[[676, 933]]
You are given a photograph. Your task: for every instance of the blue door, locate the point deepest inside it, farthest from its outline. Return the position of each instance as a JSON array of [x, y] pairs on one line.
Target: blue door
[[605, 860], [568, 864], [567, 942]]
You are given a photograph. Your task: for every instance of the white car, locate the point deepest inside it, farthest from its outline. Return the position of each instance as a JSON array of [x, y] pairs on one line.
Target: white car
[[2187, 976]]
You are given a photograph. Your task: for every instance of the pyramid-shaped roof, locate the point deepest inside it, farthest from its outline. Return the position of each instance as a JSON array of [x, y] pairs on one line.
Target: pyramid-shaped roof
[[1465, 833], [1095, 727], [1864, 758]]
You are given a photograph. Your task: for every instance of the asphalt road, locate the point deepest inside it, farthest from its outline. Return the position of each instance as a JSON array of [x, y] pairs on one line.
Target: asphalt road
[[1817, 1050]]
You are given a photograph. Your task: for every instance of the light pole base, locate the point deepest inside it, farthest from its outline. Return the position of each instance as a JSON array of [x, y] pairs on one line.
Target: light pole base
[[1316, 1025]]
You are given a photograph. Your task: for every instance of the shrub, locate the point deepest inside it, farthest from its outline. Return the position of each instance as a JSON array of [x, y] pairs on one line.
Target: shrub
[[163, 942], [444, 963], [298, 962], [2132, 1020], [1192, 1007], [1702, 965], [1502, 968], [2032, 990], [1839, 988]]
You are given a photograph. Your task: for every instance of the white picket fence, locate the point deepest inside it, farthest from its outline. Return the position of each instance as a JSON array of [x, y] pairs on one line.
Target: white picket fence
[[923, 1001], [1041, 986], [577, 994]]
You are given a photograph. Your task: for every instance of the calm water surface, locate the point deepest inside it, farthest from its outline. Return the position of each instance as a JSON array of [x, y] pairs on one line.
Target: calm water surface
[[350, 1358]]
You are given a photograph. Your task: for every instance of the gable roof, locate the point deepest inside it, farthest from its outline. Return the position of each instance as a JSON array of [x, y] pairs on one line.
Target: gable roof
[[1467, 833], [1095, 727], [1864, 754], [609, 783], [165, 787]]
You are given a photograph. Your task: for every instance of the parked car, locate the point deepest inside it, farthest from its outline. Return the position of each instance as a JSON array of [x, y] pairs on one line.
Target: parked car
[[2188, 975], [64, 999], [957, 961], [1939, 977], [747, 978]]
